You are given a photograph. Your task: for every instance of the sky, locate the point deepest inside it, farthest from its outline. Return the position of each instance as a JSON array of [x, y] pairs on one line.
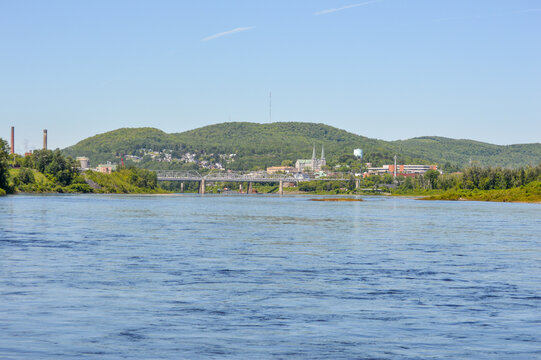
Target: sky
[[386, 69]]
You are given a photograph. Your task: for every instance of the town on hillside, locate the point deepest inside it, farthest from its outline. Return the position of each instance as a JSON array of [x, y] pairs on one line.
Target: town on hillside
[[319, 168], [315, 167]]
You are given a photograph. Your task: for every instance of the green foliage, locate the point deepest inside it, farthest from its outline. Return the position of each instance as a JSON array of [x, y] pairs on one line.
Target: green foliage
[[462, 152], [477, 183], [26, 176], [432, 177], [108, 146], [4, 165], [54, 165], [351, 183], [319, 186], [30, 180], [483, 178], [78, 188], [263, 145], [175, 186], [50, 171], [527, 193], [125, 181], [287, 163], [143, 178]]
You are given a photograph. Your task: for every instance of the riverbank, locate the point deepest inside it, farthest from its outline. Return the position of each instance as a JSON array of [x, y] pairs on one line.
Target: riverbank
[[139, 181], [124, 181], [530, 193]]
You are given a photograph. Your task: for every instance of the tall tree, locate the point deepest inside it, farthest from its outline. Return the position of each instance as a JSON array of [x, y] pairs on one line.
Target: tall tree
[[432, 176], [4, 165]]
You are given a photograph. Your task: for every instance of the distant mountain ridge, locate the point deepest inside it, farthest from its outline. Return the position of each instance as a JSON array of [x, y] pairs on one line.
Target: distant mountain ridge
[[269, 144]]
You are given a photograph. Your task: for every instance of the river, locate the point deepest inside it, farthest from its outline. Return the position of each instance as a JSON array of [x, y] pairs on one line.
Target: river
[[190, 276]]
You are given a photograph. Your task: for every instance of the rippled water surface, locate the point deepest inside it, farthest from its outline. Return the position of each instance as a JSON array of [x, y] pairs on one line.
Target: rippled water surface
[[169, 277]]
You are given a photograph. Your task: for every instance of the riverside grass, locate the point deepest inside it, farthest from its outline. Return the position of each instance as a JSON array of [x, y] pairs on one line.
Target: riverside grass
[[530, 193], [117, 182]]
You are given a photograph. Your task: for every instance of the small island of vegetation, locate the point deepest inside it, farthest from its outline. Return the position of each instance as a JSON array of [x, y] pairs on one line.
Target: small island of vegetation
[[477, 183]]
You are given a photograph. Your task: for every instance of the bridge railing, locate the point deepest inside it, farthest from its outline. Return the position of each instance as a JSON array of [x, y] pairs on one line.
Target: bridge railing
[[224, 176], [251, 176], [175, 174]]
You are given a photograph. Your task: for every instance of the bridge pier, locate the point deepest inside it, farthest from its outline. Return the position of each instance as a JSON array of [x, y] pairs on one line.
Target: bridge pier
[[240, 188], [357, 183], [249, 188], [202, 186], [181, 187], [281, 187]]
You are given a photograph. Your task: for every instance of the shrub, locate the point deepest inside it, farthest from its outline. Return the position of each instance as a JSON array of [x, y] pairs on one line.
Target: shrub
[[26, 176], [78, 188]]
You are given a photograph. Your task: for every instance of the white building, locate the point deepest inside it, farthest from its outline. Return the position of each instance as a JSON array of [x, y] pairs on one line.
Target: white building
[[314, 164]]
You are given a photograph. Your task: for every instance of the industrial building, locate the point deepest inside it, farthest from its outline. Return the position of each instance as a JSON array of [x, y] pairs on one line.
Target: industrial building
[[12, 145], [84, 163], [401, 170], [284, 169]]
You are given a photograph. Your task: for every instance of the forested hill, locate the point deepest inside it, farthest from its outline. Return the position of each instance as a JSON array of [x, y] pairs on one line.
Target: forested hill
[[461, 152], [269, 144]]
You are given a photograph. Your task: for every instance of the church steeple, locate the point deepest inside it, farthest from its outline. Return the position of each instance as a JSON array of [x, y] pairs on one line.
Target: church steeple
[[322, 152], [314, 153]]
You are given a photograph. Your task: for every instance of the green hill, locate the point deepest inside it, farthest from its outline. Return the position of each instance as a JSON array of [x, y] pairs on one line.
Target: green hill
[[269, 144], [104, 147], [460, 152]]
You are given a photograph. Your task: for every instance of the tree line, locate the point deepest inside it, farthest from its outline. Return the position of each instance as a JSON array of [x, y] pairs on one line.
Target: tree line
[[52, 171], [261, 145], [474, 177]]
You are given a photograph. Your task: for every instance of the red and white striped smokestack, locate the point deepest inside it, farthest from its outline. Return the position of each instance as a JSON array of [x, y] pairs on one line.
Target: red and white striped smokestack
[[44, 139], [13, 139]]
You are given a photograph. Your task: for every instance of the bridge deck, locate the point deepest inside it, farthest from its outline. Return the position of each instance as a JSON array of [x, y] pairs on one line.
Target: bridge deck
[[234, 177]]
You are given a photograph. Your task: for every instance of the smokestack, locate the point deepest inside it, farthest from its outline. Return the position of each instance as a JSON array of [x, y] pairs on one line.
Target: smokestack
[[13, 139], [45, 139]]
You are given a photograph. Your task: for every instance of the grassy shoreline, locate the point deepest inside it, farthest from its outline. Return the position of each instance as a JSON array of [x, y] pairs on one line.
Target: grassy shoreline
[[530, 193], [129, 182], [90, 182]]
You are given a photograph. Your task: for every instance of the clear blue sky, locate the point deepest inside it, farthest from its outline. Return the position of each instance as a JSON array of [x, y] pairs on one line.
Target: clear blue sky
[[389, 69]]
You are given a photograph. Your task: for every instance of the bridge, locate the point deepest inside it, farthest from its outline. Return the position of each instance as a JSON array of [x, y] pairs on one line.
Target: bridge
[[222, 176]]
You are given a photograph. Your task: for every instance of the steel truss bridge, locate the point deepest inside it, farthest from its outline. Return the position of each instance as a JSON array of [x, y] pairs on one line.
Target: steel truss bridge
[[222, 176]]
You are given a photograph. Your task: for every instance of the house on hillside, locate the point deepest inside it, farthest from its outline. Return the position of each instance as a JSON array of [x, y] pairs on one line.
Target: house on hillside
[[106, 168]]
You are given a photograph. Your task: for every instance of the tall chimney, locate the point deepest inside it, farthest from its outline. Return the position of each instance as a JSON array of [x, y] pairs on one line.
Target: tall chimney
[[45, 139], [13, 139]]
